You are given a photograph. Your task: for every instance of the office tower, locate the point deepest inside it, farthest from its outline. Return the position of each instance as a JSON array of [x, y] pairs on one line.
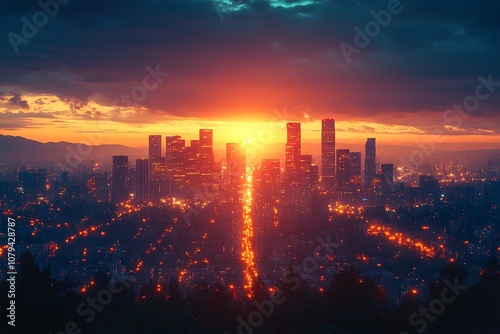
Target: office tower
[[355, 164], [157, 179], [142, 180], [73, 192], [328, 153], [379, 191], [97, 187], [305, 172], [119, 179], [206, 138], [343, 173], [175, 161], [293, 137], [192, 165], [271, 174], [266, 209], [307, 184], [292, 152], [235, 165], [370, 162], [206, 155], [154, 147], [355, 174]]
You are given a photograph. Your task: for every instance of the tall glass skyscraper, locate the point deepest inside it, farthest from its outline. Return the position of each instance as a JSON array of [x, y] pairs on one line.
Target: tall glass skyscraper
[[119, 179], [328, 153], [370, 162], [293, 146]]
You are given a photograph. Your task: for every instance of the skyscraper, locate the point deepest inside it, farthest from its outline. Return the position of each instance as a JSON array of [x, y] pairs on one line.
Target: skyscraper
[[355, 174], [370, 162], [119, 179], [142, 180], [235, 164], [343, 173], [292, 150], [175, 161], [157, 182], [355, 164], [154, 147], [97, 187], [192, 164], [270, 175], [328, 153], [206, 140]]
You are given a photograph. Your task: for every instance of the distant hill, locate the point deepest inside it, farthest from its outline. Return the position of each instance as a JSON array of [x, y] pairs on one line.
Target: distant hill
[[19, 149]]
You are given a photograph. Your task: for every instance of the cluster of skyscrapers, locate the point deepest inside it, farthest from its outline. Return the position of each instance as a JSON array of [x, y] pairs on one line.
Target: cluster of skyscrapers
[[178, 169], [173, 172]]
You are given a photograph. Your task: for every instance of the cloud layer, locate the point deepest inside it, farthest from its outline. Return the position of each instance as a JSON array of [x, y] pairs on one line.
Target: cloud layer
[[261, 55]]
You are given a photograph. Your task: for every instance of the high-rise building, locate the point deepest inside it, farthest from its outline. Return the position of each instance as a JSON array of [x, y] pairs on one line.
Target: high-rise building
[[270, 174], [343, 172], [328, 153], [267, 193], [173, 145], [154, 147], [142, 180], [156, 165], [119, 179], [175, 161], [355, 174], [235, 165], [355, 164], [192, 168], [292, 151], [97, 187], [206, 155], [206, 137], [370, 162]]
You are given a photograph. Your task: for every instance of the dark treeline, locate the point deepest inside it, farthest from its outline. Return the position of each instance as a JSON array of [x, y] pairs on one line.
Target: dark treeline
[[354, 303]]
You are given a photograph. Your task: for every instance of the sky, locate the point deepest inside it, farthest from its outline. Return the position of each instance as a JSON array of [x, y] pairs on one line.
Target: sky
[[118, 70]]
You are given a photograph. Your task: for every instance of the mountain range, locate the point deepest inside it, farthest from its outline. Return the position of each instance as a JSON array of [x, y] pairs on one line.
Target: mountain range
[[19, 149]]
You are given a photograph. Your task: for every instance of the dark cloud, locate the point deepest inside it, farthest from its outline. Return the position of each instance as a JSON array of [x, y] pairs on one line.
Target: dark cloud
[[17, 100], [263, 55]]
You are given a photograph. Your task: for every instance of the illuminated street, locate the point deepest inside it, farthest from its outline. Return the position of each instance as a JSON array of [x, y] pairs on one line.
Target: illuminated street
[[248, 252]]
